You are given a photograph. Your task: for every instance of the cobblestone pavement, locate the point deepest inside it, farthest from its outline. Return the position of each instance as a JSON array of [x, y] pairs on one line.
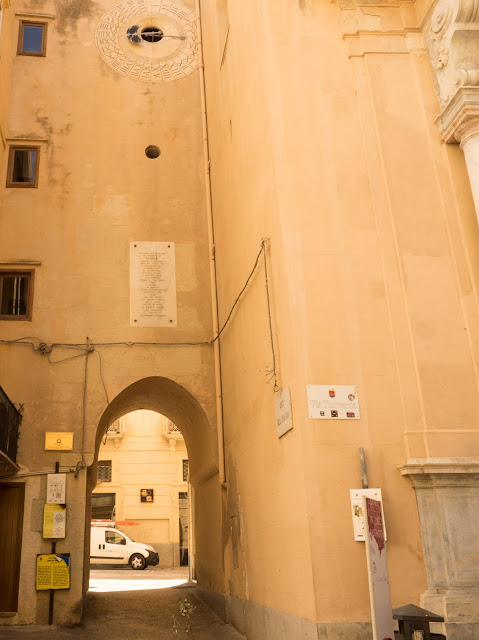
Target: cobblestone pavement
[[134, 605]]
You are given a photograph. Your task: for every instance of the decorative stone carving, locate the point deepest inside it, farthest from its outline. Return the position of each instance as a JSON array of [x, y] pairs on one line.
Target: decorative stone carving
[[452, 37]]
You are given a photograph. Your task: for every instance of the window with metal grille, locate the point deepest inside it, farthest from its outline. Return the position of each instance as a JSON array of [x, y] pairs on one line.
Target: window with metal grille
[[185, 470], [103, 472], [16, 295]]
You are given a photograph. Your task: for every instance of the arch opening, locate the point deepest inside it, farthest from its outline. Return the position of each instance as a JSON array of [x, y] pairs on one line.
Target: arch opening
[[180, 408]]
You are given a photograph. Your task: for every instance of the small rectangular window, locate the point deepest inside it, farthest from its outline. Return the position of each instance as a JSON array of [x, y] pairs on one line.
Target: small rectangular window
[[185, 470], [16, 289], [23, 166], [104, 471], [32, 38]]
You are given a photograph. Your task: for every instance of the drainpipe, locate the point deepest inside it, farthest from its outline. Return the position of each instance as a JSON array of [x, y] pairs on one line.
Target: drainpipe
[[211, 249]]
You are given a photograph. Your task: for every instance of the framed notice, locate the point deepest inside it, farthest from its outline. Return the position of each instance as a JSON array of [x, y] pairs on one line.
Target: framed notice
[[333, 402], [54, 520], [146, 495], [58, 441], [152, 284], [56, 488], [53, 571]]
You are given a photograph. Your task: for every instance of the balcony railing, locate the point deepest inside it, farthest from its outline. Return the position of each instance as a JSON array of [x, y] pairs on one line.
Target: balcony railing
[[10, 419]]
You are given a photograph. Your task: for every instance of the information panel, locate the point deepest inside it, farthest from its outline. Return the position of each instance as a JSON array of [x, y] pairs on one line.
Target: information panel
[[152, 284], [53, 571], [54, 520], [333, 402], [381, 611]]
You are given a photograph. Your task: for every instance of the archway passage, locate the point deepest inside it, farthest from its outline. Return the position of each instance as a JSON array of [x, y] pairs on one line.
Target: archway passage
[[170, 399]]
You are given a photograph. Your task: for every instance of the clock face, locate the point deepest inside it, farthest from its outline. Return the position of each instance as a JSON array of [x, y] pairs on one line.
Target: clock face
[[150, 40]]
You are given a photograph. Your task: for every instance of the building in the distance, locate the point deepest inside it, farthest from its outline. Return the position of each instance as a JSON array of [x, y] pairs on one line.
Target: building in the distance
[[142, 478], [257, 219]]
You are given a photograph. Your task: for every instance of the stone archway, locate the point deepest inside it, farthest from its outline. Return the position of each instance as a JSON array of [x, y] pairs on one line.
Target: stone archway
[[169, 398]]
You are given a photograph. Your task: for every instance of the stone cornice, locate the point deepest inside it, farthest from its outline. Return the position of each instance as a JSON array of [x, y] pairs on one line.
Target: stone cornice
[[442, 472], [460, 117]]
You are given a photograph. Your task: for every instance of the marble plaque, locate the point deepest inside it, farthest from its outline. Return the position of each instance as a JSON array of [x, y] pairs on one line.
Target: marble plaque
[[152, 284]]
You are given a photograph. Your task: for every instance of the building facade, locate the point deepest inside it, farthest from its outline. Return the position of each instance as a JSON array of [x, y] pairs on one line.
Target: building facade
[[207, 206], [142, 477]]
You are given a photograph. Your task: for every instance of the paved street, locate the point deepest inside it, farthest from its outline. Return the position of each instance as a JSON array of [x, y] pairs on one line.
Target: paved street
[[134, 605]]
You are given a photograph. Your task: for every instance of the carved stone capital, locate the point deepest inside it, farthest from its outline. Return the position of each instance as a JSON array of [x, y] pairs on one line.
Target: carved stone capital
[[452, 38], [460, 118]]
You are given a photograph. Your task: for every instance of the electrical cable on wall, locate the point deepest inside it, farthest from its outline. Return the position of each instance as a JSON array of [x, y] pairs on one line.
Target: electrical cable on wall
[[85, 349]]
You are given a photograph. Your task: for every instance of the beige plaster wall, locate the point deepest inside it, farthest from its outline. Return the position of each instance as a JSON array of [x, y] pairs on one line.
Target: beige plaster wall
[[322, 138], [98, 192], [8, 34]]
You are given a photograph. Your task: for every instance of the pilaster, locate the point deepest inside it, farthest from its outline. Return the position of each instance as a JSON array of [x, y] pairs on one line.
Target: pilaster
[[447, 492]]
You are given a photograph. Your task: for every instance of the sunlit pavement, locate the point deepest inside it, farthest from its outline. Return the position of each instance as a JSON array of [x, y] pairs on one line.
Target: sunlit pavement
[[123, 604], [123, 578]]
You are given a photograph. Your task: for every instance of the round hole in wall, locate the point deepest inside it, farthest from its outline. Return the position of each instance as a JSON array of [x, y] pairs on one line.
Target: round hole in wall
[[151, 34], [152, 151]]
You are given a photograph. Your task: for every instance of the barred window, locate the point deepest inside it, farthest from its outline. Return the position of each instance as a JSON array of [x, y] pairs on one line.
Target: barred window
[[185, 470], [104, 471]]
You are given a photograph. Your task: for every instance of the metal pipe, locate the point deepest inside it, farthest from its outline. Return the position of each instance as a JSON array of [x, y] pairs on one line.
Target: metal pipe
[[211, 247]]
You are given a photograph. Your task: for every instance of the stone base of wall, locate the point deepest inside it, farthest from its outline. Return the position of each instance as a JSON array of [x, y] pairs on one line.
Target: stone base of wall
[[447, 492], [258, 622]]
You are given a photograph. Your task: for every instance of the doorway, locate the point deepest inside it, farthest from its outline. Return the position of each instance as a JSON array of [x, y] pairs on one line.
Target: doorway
[[12, 498]]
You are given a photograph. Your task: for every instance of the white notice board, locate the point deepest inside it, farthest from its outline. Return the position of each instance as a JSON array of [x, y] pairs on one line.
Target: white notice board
[[333, 402], [152, 284]]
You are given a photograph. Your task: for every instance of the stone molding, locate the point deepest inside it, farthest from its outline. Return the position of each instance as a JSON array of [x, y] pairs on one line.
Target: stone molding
[[460, 118], [442, 472]]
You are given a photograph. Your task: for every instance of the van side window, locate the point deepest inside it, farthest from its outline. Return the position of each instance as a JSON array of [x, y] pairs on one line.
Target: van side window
[[112, 537]]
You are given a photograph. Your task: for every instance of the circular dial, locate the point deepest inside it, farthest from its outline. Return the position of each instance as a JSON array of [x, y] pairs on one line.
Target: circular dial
[[127, 42]]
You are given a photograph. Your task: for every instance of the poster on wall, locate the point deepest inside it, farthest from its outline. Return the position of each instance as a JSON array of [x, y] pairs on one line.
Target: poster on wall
[[152, 284], [56, 488], [53, 571], [378, 578], [333, 402], [54, 520]]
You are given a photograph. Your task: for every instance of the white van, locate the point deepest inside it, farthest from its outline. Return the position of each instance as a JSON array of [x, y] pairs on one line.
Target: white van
[[110, 546]]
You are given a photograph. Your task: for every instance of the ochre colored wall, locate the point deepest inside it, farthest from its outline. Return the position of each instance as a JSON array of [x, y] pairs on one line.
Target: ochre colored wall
[[98, 192], [322, 137]]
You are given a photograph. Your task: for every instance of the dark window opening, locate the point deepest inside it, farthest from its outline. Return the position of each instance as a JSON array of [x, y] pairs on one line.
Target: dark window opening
[[32, 38], [185, 470], [23, 167], [103, 506], [152, 34], [15, 295]]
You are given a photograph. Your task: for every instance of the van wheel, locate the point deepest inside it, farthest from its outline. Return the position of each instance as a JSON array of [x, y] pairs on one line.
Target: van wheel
[[137, 561]]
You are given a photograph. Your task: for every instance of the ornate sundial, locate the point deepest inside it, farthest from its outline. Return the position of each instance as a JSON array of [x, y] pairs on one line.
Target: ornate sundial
[[151, 40]]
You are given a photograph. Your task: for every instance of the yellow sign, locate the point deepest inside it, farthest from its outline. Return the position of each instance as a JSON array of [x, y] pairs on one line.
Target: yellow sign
[[53, 571], [58, 441], [54, 519]]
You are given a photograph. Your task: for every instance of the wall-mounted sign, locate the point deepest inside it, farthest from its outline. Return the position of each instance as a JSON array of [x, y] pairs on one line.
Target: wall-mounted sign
[[146, 495], [152, 284], [58, 441], [359, 524], [53, 571], [284, 417], [54, 520], [333, 402], [56, 488], [381, 611]]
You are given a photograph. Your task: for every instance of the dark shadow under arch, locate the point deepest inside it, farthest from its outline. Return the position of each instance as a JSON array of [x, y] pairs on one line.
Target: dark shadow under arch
[[176, 403]]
